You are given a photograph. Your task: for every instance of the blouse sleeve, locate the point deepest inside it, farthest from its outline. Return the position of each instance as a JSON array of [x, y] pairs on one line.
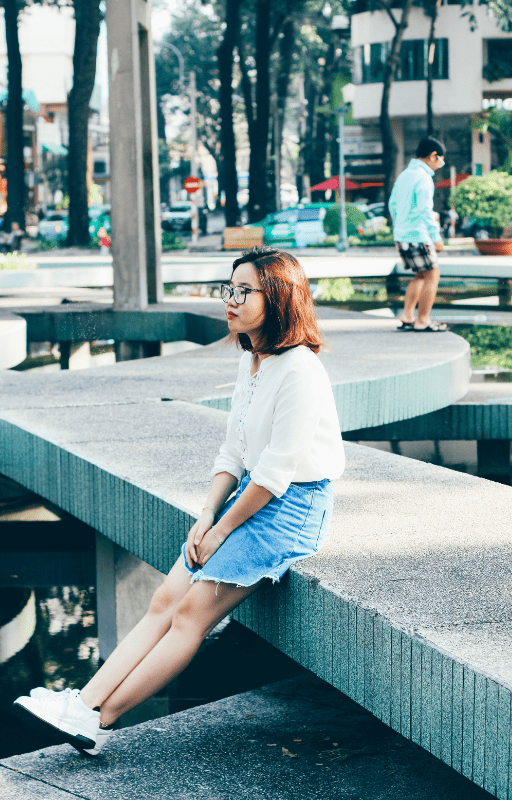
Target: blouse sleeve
[[296, 418], [229, 459]]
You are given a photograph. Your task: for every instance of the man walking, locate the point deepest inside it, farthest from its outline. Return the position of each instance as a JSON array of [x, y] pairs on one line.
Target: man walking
[[417, 236]]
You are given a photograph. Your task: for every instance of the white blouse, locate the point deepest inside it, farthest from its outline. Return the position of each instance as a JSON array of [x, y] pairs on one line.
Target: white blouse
[[283, 426]]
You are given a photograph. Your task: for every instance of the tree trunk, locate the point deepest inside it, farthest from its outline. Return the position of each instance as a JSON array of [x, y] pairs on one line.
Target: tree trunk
[[15, 172], [87, 18], [286, 48], [430, 68], [303, 182], [389, 147], [258, 154], [228, 175]]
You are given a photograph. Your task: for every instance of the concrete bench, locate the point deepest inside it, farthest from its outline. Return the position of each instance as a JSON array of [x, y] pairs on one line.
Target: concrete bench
[[405, 610]]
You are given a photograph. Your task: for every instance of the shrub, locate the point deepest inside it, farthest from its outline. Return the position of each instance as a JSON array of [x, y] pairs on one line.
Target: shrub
[[339, 289], [332, 219], [487, 337], [16, 261], [486, 198], [171, 241]]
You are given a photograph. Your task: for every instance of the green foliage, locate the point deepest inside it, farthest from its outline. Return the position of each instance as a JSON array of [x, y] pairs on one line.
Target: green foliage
[[491, 345], [486, 198], [339, 289], [95, 195], [16, 260], [332, 219], [370, 238], [499, 122], [171, 241]]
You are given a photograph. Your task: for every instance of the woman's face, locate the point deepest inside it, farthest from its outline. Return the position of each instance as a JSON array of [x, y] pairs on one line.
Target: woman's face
[[247, 317]]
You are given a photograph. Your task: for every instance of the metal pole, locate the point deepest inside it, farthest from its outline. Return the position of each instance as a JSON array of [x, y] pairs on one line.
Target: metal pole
[[193, 148], [342, 238], [181, 63]]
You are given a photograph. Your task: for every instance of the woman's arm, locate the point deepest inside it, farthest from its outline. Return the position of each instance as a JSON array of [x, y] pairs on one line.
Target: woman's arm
[[250, 501], [223, 484]]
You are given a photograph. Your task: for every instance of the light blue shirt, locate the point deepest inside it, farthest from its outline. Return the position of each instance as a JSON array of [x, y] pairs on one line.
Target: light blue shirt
[[412, 204]]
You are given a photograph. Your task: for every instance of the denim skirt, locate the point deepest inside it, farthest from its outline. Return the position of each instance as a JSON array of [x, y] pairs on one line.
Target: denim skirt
[[287, 529]]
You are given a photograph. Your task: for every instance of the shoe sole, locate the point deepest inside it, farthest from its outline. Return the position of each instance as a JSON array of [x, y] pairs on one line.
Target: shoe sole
[[78, 741]]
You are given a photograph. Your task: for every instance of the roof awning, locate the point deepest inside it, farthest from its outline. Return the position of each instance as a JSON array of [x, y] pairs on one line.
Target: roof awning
[[55, 149], [29, 99], [334, 183], [447, 184]]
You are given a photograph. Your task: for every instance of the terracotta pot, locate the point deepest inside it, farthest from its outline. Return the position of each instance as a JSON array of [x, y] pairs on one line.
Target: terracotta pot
[[494, 247]]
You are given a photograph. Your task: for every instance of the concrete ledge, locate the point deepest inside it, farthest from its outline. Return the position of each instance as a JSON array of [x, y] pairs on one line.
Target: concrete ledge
[[378, 375], [484, 414], [13, 340], [204, 269], [221, 751]]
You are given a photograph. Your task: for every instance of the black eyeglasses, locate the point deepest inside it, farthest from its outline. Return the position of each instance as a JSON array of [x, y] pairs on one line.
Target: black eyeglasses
[[238, 292]]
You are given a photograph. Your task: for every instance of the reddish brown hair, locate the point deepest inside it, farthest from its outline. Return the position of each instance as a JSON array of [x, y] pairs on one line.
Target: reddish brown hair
[[290, 318]]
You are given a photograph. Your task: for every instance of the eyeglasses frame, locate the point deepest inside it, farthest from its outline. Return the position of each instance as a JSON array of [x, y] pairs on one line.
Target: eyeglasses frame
[[232, 292]]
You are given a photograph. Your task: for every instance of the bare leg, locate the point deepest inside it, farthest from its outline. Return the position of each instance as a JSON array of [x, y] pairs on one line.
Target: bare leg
[[203, 607], [427, 297], [412, 296], [141, 640]]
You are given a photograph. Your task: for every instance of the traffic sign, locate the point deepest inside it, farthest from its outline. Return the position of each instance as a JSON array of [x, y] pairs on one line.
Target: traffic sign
[[192, 184]]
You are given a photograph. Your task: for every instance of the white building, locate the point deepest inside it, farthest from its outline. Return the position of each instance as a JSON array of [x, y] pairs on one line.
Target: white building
[[463, 59]]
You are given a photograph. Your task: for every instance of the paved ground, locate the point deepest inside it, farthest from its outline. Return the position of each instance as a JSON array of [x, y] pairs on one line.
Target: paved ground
[[295, 740]]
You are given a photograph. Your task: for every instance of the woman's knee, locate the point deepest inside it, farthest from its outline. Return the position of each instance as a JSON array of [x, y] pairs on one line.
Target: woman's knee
[[191, 615], [163, 601]]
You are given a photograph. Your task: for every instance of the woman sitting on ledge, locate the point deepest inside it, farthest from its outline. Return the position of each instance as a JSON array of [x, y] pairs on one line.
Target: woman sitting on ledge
[[282, 452]]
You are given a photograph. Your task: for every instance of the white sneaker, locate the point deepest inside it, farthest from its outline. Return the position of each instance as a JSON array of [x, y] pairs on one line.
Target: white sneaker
[[63, 712], [102, 737], [41, 691]]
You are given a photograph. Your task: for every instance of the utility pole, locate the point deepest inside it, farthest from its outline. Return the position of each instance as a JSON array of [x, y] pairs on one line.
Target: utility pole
[[193, 148], [342, 238]]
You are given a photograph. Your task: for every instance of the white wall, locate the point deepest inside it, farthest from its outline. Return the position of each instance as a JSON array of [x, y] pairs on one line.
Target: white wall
[[46, 43], [461, 93]]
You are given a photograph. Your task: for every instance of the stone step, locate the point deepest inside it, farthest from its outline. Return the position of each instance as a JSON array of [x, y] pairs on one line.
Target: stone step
[[287, 741]]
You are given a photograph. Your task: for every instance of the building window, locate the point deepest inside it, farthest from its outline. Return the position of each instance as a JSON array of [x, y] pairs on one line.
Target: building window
[[370, 59], [499, 59], [99, 168]]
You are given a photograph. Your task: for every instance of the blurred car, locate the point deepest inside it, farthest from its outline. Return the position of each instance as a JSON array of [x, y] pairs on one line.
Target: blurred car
[[375, 217], [179, 218], [295, 227], [303, 225], [54, 227]]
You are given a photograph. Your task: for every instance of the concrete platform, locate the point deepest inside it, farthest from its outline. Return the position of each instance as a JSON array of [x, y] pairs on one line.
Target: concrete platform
[[379, 375], [395, 611], [233, 749]]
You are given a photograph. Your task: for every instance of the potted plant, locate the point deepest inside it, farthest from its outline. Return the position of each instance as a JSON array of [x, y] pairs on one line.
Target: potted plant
[[488, 200]]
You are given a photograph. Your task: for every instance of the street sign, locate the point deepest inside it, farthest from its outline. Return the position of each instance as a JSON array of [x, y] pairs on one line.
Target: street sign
[[191, 184]]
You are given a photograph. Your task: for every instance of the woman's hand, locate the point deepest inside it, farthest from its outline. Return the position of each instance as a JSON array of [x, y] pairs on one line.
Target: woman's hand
[[210, 543], [196, 534]]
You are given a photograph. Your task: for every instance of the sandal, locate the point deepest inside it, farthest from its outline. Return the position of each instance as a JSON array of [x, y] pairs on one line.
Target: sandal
[[405, 326], [440, 327]]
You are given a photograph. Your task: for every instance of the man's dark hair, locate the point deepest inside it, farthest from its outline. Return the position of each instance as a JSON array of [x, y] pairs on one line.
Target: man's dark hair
[[428, 145]]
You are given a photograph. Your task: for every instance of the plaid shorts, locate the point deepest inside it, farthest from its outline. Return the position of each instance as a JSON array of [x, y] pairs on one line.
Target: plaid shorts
[[420, 257]]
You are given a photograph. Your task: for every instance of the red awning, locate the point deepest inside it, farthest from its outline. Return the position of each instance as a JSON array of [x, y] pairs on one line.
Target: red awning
[[334, 183], [447, 184]]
